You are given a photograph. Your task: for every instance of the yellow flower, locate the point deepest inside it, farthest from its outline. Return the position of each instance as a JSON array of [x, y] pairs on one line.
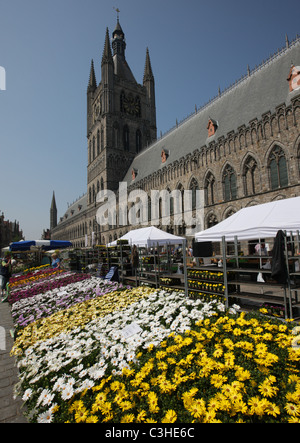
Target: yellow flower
[[125, 405], [218, 380], [152, 400], [81, 415], [92, 419], [242, 374], [273, 409], [141, 416], [257, 405], [170, 417], [197, 408], [292, 409], [263, 310], [218, 352], [128, 418], [106, 408], [266, 389]]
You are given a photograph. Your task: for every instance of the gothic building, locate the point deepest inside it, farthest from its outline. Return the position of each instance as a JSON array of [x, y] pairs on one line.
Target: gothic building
[[241, 149], [9, 232]]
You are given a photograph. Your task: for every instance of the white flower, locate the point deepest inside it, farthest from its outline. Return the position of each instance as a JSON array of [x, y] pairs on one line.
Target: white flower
[[48, 400], [83, 373], [67, 393], [27, 394], [45, 417], [44, 396]]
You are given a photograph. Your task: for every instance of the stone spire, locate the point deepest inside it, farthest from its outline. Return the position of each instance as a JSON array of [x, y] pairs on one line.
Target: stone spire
[[107, 56], [53, 213], [92, 80]]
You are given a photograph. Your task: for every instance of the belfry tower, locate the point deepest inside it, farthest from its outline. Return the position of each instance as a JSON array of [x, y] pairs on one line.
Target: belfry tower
[[121, 116], [53, 213]]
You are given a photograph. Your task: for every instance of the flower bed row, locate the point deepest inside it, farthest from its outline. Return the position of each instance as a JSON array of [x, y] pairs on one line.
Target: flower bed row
[[43, 305], [49, 284], [221, 370], [38, 275], [186, 360]]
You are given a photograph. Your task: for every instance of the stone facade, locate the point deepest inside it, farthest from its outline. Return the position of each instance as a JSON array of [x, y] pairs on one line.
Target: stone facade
[[241, 149], [9, 232]]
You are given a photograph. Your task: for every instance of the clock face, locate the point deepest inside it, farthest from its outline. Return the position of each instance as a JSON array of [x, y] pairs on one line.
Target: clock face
[[132, 106]]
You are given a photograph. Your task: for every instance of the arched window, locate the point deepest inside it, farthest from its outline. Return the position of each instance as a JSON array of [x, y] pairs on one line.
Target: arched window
[[122, 101], [94, 194], [126, 138], [250, 176], [90, 152], [278, 168], [98, 142], [138, 141], [116, 135], [138, 106], [211, 220], [194, 187], [93, 148], [298, 157], [229, 184], [209, 189], [102, 139]]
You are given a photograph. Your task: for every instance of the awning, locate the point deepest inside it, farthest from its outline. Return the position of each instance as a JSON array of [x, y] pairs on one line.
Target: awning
[[45, 245], [257, 222]]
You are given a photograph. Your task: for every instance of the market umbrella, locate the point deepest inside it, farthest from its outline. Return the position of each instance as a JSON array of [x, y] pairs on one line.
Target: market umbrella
[[45, 245]]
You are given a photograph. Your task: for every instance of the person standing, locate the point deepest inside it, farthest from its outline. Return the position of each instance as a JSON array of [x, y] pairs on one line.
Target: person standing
[[5, 274], [134, 261], [55, 261]]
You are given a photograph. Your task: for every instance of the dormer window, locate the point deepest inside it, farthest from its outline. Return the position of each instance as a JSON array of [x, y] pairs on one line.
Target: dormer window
[[134, 173], [294, 78], [79, 207], [212, 127], [164, 155]]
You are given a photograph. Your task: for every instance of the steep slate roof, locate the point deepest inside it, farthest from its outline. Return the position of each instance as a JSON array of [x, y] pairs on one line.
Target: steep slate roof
[[78, 207], [260, 92]]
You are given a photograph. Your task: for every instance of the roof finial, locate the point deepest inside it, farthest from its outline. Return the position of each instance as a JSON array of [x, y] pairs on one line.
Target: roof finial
[[287, 43], [118, 12]]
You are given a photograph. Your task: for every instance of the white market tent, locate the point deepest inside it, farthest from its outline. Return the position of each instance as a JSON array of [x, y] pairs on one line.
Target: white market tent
[[257, 222], [150, 237]]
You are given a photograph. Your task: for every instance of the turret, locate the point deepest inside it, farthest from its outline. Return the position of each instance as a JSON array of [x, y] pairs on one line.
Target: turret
[[107, 76], [53, 213], [92, 86], [149, 84]]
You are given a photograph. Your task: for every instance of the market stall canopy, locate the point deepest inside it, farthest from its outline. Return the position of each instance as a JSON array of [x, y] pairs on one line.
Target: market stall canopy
[[45, 245], [150, 237], [257, 222]]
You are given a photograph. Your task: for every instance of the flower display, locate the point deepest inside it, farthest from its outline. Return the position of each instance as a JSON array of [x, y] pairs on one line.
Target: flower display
[[47, 285], [38, 275], [93, 351], [223, 369], [29, 310]]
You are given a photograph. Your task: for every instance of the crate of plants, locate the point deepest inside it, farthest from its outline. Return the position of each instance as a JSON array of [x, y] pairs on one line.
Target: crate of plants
[[206, 297], [122, 242], [272, 309], [206, 286], [170, 281]]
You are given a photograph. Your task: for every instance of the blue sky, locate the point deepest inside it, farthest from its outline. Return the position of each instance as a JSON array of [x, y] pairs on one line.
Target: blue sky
[[46, 47]]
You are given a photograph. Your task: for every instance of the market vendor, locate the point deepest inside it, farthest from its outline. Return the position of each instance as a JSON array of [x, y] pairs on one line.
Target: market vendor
[[55, 261], [5, 274]]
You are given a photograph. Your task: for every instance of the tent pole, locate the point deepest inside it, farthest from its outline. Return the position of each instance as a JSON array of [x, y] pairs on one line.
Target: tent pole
[[287, 287], [185, 268], [225, 271], [236, 252]]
